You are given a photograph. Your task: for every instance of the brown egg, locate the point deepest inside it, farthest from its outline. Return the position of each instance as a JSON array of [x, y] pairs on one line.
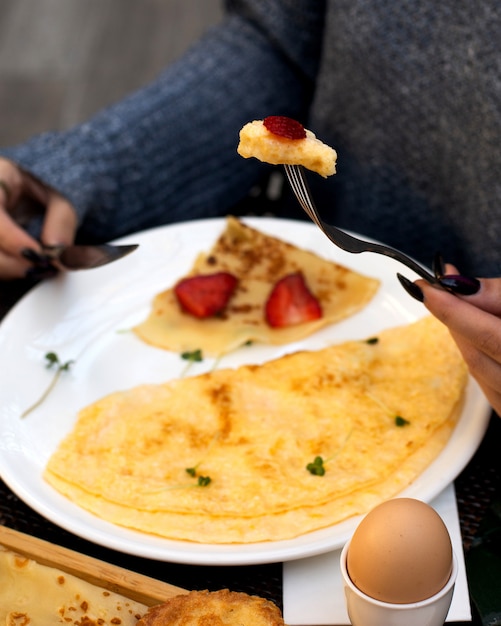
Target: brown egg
[[401, 552]]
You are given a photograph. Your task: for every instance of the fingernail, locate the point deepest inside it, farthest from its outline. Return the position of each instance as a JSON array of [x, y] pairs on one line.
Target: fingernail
[[438, 265], [411, 288], [40, 273], [462, 285], [35, 257]]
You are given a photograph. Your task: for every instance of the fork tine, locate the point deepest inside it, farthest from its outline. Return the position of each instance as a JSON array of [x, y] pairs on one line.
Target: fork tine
[[300, 188], [342, 239]]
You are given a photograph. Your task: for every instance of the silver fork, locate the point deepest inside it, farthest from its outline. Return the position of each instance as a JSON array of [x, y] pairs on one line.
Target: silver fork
[[297, 180]]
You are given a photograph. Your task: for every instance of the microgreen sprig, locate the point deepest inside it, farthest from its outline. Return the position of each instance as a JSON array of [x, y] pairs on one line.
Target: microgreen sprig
[[191, 356], [317, 467], [52, 360], [202, 481], [401, 421], [398, 419], [194, 356]]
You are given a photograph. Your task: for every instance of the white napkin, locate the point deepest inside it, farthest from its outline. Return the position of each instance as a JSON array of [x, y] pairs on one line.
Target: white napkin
[[313, 590]]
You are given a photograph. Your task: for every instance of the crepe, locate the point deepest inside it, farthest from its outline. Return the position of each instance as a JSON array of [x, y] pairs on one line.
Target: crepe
[[222, 457], [35, 594], [219, 608], [258, 261]]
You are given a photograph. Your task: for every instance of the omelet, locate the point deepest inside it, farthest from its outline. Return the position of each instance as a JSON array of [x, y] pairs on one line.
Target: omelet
[[267, 452], [258, 261]]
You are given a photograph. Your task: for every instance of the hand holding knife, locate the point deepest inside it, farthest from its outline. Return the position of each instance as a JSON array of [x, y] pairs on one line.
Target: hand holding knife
[[76, 257]]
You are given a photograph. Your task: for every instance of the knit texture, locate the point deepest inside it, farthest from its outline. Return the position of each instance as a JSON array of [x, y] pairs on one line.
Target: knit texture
[[168, 152], [408, 93]]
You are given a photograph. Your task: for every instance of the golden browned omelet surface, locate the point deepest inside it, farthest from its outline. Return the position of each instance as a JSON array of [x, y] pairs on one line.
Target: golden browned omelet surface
[[258, 261], [253, 430], [214, 608]]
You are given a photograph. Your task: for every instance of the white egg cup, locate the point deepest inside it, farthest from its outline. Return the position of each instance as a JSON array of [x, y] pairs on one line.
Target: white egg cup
[[366, 611]]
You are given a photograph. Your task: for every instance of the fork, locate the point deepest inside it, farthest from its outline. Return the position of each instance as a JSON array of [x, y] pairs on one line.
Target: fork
[[343, 240]]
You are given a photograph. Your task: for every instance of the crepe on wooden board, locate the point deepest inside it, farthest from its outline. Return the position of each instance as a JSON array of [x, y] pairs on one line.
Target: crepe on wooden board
[[38, 595]]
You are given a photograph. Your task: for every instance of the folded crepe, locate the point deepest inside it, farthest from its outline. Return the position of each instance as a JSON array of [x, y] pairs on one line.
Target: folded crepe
[[258, 261]]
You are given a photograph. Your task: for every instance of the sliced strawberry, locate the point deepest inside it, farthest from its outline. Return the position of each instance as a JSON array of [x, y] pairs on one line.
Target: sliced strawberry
[[291, 302], [284, 127], [205, 295]]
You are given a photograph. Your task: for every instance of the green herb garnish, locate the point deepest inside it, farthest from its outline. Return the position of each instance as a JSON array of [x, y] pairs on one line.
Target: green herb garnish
[[401, 421], [372, 340], [194, 356], [52, 360], [317, 467], [202, 481]]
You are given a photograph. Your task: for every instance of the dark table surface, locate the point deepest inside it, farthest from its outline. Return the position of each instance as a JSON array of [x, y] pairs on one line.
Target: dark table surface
[[477, 490]]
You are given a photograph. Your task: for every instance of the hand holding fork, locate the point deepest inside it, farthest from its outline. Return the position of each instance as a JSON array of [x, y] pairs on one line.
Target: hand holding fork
[[455, 283]]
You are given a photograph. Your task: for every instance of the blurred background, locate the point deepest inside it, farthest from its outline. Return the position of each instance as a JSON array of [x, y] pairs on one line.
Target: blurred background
[[63, 60]]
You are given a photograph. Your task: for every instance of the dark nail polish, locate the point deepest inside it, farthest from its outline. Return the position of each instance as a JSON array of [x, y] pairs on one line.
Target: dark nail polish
[[438, 265], [462, 285], [31, 255], [41, 272], [411, 288], [34, 257]]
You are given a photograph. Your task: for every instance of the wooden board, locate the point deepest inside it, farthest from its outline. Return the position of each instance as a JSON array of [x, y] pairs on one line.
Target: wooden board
[[138, 587]]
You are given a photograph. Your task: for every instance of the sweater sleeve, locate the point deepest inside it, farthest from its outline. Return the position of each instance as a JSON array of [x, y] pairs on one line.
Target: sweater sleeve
[[168, 151]]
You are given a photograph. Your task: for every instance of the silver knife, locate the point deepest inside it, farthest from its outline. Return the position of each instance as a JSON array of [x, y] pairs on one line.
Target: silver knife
[[76, 257]]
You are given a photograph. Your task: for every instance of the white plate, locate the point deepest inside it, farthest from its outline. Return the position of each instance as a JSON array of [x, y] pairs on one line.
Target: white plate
[[86, 317]]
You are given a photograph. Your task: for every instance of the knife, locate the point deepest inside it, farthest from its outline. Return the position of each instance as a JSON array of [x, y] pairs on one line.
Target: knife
[[76, 257]]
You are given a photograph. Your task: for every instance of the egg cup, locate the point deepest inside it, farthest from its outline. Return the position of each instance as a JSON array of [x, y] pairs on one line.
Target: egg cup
[[366, 611]]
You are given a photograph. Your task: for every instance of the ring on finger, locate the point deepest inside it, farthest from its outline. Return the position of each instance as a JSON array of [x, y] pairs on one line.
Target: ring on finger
[[6, 189]]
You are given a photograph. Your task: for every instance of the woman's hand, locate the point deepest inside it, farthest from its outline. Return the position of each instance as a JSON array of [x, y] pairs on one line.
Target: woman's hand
[[474, 322], [59, 222]]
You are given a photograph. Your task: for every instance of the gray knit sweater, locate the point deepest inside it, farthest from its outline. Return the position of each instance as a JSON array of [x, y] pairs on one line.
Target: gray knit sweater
[[408, 93]]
